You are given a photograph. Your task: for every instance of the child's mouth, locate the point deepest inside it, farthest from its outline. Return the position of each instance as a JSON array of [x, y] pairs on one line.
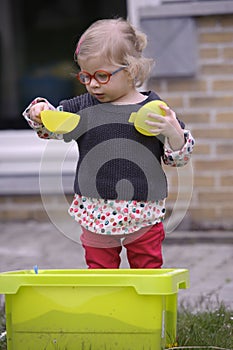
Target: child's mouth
[[99, 96]]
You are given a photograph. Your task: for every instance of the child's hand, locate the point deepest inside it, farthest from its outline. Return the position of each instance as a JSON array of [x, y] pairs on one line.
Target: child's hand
[[168, 126], [35, 110]]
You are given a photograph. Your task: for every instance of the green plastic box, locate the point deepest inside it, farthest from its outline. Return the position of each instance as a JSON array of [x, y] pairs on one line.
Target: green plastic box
[[125, 309]]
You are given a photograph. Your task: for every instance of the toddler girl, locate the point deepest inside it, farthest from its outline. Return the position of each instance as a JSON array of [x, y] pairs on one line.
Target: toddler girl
[[120, 187]]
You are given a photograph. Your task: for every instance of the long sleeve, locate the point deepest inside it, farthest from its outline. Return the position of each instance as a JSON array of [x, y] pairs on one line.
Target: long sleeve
[[40, 129], [181, 157]]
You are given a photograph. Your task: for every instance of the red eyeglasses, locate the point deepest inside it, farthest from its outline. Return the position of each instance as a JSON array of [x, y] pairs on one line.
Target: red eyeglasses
[[101, 76]]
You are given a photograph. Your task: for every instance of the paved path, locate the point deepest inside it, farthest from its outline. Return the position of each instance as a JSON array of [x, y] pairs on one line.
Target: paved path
[[207, 255]]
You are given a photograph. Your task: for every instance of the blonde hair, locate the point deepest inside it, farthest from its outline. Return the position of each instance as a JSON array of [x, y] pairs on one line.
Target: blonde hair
[[117, 41]]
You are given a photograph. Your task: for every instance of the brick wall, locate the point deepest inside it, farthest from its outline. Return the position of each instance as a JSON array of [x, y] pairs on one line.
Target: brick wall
[[205, 104]]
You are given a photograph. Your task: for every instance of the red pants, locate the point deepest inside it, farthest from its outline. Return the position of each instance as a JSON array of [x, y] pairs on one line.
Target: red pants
[[144, 248]]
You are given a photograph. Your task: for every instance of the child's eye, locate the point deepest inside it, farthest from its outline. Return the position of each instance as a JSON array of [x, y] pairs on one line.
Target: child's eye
[[101, 76], [83, 77]]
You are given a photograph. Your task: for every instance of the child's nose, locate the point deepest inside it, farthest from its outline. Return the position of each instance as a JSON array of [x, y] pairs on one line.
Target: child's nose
[[93, 82]]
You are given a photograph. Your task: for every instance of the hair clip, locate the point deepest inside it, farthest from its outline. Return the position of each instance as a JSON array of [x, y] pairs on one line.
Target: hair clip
[[78, 46]]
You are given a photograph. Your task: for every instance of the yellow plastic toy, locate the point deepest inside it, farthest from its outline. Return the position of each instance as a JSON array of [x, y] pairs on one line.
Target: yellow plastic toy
[[59, 122], [115, 309], [139, 117]]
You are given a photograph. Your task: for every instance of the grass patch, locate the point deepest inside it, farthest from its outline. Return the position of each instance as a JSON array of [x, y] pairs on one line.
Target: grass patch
[[2, 329], [208, 328]]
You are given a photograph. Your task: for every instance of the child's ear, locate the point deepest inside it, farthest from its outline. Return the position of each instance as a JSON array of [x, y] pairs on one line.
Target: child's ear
[[131, 77]]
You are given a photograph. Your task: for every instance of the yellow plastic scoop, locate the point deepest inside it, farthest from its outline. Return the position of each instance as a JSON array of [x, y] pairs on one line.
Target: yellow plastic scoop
[[139, 117], [59, 122]]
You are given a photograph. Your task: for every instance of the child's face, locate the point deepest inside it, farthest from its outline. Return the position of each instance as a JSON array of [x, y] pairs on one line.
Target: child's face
[[117, 89]]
